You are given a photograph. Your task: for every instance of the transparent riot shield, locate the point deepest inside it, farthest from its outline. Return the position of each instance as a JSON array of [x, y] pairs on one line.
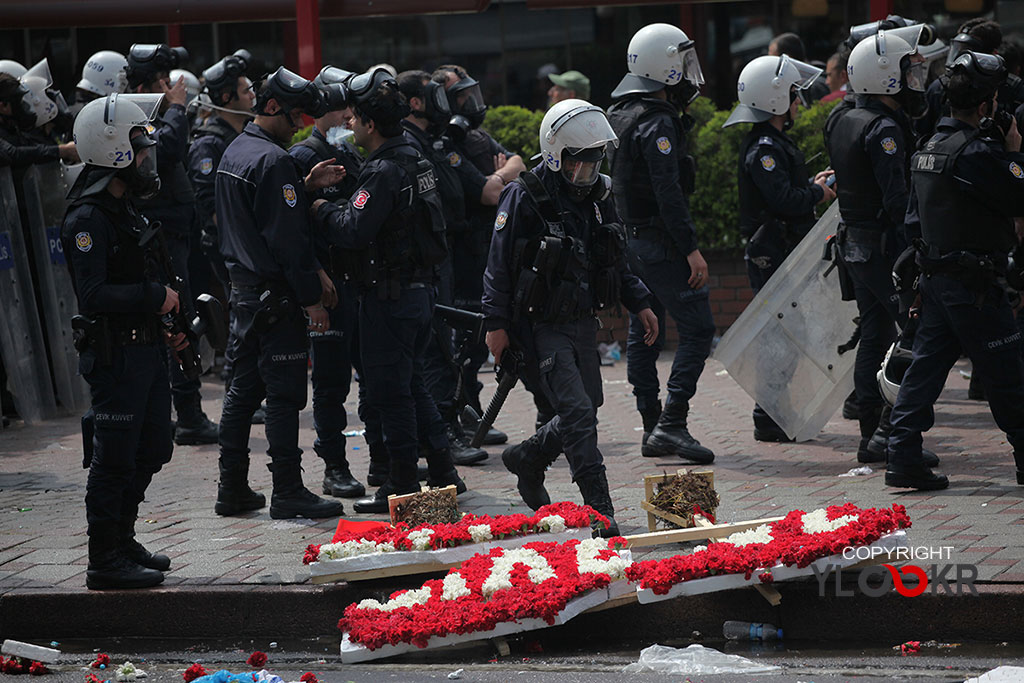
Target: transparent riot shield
[[21, 335], [44, 191], [784, 349]]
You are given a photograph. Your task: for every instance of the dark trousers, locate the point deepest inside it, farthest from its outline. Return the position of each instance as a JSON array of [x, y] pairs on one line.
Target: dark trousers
[[271, 365], [331, 355], [131, 403], [951, 322], [439, 373], [878, 308], [393, 338], [564, 363], [667, 279], [758, 278]]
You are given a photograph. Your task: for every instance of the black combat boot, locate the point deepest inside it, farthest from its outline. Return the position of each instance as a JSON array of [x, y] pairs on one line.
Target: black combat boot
[[528, 462], [193, 428], [915, 476], [870, 419], [594, 488], [134, 550], [110, 568], [851, 409], [880, 440], [671, 438], [292, 499], [380, 466], [650, 414], [339, 482], [401, 480], [462, 452], [470, 419], [441, 470], [233, 493]]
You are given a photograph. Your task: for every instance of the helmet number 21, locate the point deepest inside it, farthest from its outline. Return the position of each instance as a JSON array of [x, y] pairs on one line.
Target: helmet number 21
[[123, 156]]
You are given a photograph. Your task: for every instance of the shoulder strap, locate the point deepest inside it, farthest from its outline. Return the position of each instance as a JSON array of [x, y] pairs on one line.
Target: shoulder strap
[[541, 202], [319, 146]]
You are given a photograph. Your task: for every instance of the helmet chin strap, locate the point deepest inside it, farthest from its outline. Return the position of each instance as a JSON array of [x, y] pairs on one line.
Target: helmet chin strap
[[196, 104]]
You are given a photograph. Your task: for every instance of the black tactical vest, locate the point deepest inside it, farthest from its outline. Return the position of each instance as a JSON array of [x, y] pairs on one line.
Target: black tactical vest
[[175, 187], [631, 180], [754, 211], [860, 197], [218, 128], [344, 190], [414, 234], [951, 219]]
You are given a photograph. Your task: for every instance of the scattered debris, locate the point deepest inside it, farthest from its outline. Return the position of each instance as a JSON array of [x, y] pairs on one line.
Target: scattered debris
[[911, 647], [858, 472], [102, 661], [29, 651], [193, 672], [695, 659], [128, 672], [1002, 674], [684, 494], [428, 507], [455, 675], [257, 659]]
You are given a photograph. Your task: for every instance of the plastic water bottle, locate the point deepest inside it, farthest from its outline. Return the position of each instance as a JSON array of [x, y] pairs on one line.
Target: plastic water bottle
[[744, 630]]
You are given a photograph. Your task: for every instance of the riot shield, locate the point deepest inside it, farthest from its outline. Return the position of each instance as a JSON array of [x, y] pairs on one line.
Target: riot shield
[[784, 349], [44, 188], [21, 335]]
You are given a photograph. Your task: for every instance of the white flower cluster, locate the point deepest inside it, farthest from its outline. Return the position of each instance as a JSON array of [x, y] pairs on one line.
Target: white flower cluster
[[128, 672], [553, 523], [338, 551], [454, 587], [818, 522], [421, 539], [589, 563], [406, 599], [760, 534], [501, 570], [480, 533]]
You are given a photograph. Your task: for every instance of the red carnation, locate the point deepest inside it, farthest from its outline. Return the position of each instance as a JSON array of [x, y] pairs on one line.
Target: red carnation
[[309, 677], [911, 647], [192, 673], [93, 678], [13, 666], [257, 659], [101, 660], [38, 669]]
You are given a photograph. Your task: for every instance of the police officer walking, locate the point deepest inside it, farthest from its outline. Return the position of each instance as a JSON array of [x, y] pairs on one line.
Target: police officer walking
[[265, 237], [776, 198], [393, 232], [967, 186], [174, 207], [119, 334], [651, 178], [556, 257], [870, 150], [332, 349]]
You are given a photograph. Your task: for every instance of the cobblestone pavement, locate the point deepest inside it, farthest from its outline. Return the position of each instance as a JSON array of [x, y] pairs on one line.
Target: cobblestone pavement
[[42, 487]]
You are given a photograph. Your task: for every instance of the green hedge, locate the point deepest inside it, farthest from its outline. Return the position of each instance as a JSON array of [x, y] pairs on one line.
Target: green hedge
[[715, 205]]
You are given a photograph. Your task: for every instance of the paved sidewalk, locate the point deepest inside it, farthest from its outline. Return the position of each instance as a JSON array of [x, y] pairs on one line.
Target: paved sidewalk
[[42, 486]]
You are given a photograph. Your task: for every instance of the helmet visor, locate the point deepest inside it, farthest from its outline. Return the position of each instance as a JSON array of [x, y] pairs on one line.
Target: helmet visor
[[800, 74], [363, 85], [332, 74], [591, 129], [917, 76], [40, 69], [960, 44], [691, 66], [582, 168], [148, 103], [144, 149], [466, 99], [439, 99], [911, 34]]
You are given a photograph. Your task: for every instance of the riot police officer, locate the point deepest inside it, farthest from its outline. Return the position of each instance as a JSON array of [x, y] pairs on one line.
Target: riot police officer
[[651, 178], [967, 184], [332, 350], [556, 257], [103, 73], [265, 236], [17, 118], [148, 71], [428, 116], [776, 198], [393, 234], [119, 334], [231, 99], [870, 149]]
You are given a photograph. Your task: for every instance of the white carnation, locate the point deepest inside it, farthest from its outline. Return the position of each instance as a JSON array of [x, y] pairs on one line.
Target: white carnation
[[761, 534], [338, 551], [501, 569], [421, 539], [480, 533], [817, 522], [128, 672], [406, 599], [553, 523], [454, 587], [589, 563]]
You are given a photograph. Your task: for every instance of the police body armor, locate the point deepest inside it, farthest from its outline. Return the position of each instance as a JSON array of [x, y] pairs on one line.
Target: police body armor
[[559, 278], [860, 197], [343, 191], [950, 218], [412, 241], [754, 211], [218, 128], [631, 182], [175, 187]]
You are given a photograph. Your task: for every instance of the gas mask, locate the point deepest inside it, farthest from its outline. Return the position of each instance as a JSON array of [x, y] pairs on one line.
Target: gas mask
[[141, 177], [581, 170], [912, 94]]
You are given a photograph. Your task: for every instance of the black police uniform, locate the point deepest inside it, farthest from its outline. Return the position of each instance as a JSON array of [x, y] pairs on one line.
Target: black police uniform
[[651, 178], [208, 144], [395, 207], [124, 360], [559, 337], [174, 208], [777, 203], [334, 351], [870, 148], [1010, 97], [266, 240], [17, 151], [966, 190]]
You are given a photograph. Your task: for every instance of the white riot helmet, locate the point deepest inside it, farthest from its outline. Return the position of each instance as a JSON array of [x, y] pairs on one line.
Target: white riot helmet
[[876, 65], [192, 84], [573, 136], [894, 367], [110, 133], [36, 81], [661, 55], [765, 86], [104, 74], [9, 66]]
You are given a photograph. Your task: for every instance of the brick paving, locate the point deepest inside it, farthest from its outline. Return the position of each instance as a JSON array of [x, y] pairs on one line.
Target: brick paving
[[42, 486]]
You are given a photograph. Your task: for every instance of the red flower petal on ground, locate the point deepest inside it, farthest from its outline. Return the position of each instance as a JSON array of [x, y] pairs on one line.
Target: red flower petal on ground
[[93, 678], [193, 672], [309, 677], [257, 659], [38, 669], [13, 666], [101, 659]]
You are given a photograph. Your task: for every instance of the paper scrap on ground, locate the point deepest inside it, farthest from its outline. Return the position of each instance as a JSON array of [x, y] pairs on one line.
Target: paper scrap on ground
[[695, 659], [858, 472], [1002, 674]]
